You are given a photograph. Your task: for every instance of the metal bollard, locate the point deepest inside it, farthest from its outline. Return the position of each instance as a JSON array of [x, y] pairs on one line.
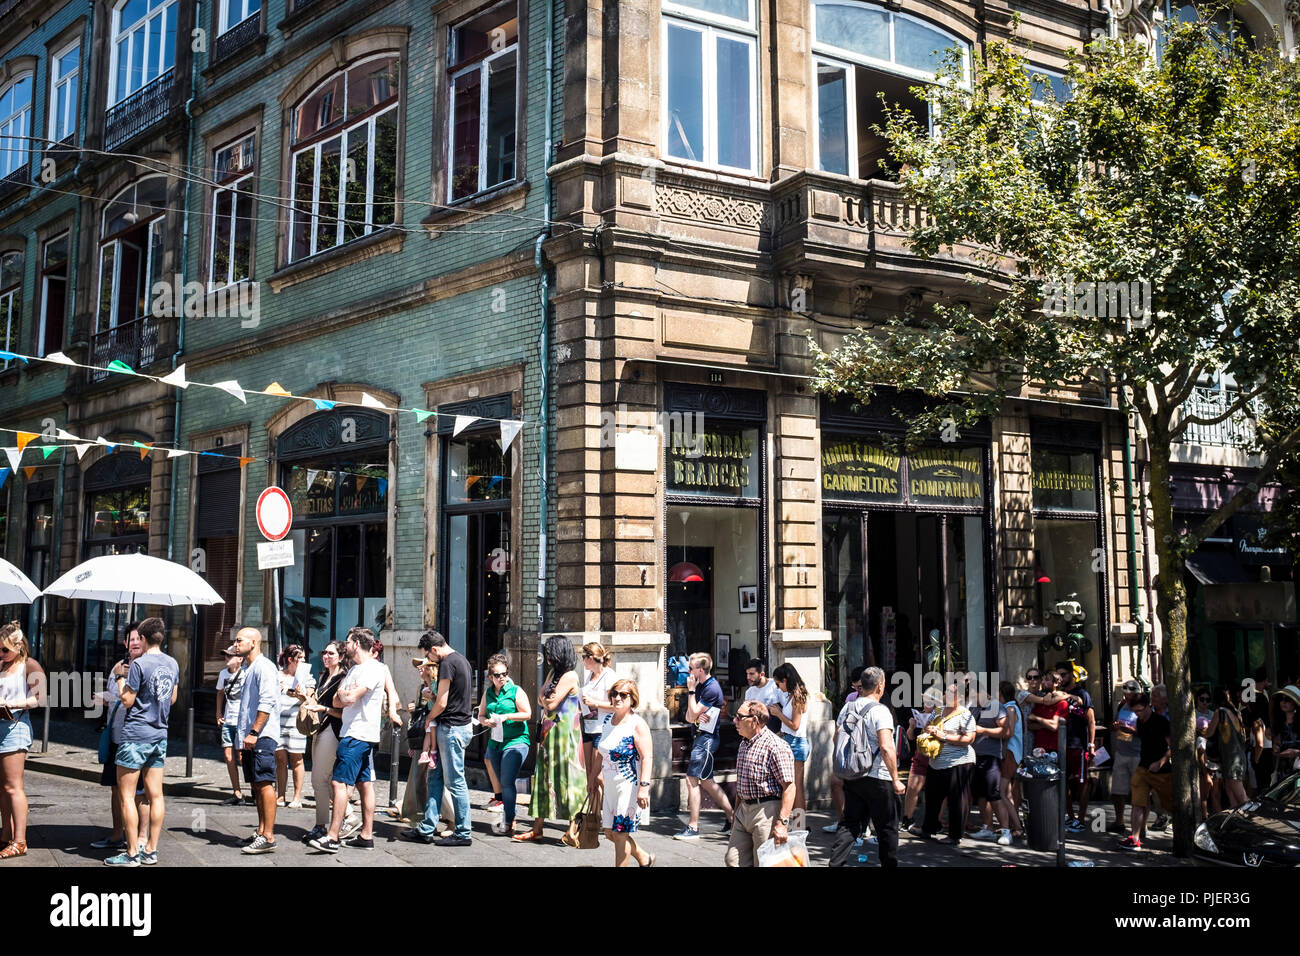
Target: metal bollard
[[394, 767], [45, 730], [189, 742], [1061, 790]]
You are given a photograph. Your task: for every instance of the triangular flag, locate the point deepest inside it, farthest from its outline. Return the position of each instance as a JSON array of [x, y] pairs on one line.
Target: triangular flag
[[232, 387], [509, 429], [383, 487], [117, 365], [140, 444], [4, 476], [29, 471], [61, 435], [101, 440], [462, 422], [322, 405], [25, 437], [82, 448], [496, 480], [469, 482], [369, 401], [275, 388], [176, 452], [58, 358], [144, 453], [15, 456], [361, 481], [311, 477], [9, 356], [245, 461], [421, 414], [48, 450], [176, 378]]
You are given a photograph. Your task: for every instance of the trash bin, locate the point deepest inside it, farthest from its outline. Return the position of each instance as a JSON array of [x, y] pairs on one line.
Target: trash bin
[[1041, 776]]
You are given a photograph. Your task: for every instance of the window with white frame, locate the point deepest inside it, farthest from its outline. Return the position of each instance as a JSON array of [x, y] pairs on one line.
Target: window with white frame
[[345, 158], [859, 52], [130, 252], [482, 74], [11, 299], [54, 295], [232, 213], [65, 70], [144, 45], [710, 99], [15, 125], [1048, 85], [235, 12]]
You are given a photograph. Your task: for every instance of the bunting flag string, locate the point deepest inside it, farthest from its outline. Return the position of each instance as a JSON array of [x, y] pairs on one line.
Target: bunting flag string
[[4, 476], [177, 378]]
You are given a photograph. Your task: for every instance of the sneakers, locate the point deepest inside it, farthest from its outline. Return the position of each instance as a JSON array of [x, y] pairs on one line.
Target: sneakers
[[108, 843], [415, 836], [1130, 843], [351, 825], [260, 844], [1004, 838], [295, 805], [1162, 823], [495, 805], [315, 833], [125, 859], [687, 833], [1075, 826], [454, 840], [360, 843], [500, 827], [1117, 827], [831, 828], [326, 845], [983, 833], [147, 858], [233, 802]]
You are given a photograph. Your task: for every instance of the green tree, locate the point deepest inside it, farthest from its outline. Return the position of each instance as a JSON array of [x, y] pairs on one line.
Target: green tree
[[1184, 174]]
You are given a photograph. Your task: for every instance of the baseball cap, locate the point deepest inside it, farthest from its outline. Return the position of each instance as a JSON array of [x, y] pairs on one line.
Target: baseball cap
[[232, 651], [1132, 687]]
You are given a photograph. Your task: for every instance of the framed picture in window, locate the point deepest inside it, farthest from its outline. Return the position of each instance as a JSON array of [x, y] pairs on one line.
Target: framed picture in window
[[723, 649], [748, 599]]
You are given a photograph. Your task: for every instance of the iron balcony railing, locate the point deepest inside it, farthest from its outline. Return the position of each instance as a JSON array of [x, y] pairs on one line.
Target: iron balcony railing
[[237, 37], [139, 111], [135, 343], [1235, 431]]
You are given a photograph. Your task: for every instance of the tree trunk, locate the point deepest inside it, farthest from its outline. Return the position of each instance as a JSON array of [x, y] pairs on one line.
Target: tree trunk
[[1171, 607]]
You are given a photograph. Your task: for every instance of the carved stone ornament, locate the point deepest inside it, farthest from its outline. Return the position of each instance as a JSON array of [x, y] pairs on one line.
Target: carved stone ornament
[[861, 299], [1138, 19]]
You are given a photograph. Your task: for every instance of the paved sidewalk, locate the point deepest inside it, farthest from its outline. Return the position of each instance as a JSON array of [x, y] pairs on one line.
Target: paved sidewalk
[[73, 754]]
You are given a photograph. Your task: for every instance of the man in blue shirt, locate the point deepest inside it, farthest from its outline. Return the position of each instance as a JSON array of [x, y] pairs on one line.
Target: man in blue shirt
[[148, 689], [704, 706]]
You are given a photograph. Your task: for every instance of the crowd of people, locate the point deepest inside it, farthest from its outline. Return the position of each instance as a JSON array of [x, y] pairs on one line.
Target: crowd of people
[[590, 749]]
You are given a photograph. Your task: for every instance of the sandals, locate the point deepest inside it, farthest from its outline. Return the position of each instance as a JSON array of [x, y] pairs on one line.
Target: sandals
[[528, 836], [13, 849], [651, 863]]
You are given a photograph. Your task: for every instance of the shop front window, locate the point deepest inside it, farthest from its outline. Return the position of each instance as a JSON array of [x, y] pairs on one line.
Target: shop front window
[[334, 466], [1069, 562], [713, 556], [116, 522], [39, 535]]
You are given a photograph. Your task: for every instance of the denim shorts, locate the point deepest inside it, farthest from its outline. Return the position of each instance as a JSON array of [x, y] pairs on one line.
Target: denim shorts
[[700, 765], [228, 735], [799, 745], [355, 762], [16, 735], [132, 755], [259, 763]]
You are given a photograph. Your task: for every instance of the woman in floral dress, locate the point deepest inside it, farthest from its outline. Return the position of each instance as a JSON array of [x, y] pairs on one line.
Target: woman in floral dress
[[560, 783], [624, 759]]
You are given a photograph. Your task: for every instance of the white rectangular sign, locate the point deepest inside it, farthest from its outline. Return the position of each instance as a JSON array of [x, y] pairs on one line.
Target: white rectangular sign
[[274, 554]]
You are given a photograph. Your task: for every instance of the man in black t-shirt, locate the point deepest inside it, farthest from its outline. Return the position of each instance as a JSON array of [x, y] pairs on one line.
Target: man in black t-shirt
[[1080, 736], [704, 706], [451, 710], [1153, 773]]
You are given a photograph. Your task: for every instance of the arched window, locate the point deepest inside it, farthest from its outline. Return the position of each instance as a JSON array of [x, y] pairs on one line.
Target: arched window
[[130, 260], [860, 51], [345, 157], [334, 465], [15, 125], [144, 45], [11, 298]]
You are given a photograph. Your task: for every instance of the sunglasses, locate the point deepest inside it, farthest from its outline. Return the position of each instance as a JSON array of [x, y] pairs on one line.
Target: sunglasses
[[499, 675], [1033, 677], [619, 695]]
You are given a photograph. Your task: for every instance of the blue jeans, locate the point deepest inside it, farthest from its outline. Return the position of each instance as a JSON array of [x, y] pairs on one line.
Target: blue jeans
[[506, 762], [452, 742]]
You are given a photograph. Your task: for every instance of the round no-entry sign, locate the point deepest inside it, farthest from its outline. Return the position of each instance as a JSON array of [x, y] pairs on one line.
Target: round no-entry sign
[[274, 513]]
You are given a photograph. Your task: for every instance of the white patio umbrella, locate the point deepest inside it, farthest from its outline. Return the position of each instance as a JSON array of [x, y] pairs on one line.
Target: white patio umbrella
[[134, 579], [16, 587]]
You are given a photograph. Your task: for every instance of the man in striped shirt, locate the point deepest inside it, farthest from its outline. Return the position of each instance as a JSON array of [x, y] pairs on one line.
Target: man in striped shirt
[[764, 787]]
